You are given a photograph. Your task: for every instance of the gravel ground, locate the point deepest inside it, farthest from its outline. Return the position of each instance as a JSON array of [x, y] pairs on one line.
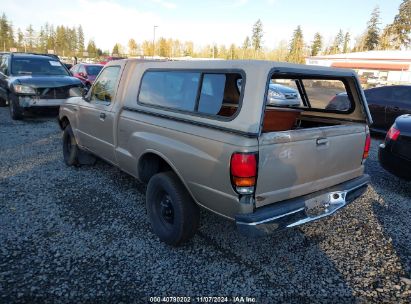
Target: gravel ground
[[74, 235]]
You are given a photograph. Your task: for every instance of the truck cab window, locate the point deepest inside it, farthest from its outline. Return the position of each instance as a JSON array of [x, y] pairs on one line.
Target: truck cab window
[[214, 93], [105, 85]]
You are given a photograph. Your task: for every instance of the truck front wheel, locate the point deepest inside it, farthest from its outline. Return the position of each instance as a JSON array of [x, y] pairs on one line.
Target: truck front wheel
[[173, 215], [16, 112], [70, 148]]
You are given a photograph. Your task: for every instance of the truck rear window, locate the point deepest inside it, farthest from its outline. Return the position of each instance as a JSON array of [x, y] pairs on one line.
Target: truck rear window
[[205, 93], [330, 95]]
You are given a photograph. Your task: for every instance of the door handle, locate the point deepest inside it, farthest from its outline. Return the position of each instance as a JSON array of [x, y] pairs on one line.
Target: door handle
[[322, 141], [102, 116]]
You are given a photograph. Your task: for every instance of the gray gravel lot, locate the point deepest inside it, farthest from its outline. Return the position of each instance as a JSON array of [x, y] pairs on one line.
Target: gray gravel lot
[[81, 235]]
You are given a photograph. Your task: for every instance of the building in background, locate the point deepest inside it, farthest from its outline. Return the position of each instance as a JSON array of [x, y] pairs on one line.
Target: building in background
[[375, 68]]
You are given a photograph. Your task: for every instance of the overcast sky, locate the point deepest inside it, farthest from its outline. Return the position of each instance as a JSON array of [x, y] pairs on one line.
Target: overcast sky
[[203, 22]]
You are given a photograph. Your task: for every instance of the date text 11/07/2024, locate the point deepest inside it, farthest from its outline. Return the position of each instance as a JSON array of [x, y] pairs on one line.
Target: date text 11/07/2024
[[201, 299]]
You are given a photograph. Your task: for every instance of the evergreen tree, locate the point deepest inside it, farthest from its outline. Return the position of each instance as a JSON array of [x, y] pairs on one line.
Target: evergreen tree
[[214, 51], [4, 30], [20, 39], [398, 33], [10, 36], [232, 52], [296, 48], [60, 40], [386, 38], [338, 43], [246, 46], [42, 42], [71, 46], [317, 44], [91, 48], [115, 50], [80, 39], [51, 37], [347, 39], [29, 38], [246, 43], [257, 35], [372, 36]]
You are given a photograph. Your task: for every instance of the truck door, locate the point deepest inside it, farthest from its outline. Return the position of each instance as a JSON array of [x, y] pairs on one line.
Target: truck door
[[96, 117]]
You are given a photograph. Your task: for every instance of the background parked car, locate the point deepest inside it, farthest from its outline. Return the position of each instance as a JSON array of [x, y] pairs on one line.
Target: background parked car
[[387, 103], [111, 58], [281, 95], [34, 82], [339, 102], [395, 153], [87, 73]]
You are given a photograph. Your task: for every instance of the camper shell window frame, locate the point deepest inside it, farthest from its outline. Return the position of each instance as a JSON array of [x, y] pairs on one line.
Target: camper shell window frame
[[201, 72], [276, 74]]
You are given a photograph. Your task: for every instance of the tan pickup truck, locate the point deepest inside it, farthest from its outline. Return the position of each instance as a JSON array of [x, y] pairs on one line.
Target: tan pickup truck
[[253, 141]]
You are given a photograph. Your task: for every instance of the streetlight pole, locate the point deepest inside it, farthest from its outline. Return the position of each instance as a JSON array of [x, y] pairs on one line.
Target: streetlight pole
[[154, 39]]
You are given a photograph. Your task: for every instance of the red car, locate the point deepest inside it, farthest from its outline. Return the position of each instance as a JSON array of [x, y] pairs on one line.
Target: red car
[[110, 58], [87, 73]]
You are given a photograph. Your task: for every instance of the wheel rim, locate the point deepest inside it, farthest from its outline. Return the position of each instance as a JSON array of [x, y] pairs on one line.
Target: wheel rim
[[166, 210]]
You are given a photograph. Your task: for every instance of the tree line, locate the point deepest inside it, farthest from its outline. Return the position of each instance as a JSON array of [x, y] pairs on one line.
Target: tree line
[[66, 41], [61, 40]]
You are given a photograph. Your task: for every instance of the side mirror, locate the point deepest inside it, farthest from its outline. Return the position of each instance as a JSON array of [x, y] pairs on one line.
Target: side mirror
[[85, 93], [76, 92]]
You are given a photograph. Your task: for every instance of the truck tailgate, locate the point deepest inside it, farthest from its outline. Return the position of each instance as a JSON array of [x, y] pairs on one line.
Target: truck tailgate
[[298, 162]]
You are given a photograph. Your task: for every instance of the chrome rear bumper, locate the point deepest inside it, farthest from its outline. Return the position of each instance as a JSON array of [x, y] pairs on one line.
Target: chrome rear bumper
[[301, 210]]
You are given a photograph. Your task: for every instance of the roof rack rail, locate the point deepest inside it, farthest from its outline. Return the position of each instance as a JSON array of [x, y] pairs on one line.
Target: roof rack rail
[[32, 53]]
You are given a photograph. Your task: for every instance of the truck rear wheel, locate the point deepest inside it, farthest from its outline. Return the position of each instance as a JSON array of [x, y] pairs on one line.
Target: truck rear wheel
[[173, 215], [70, 148]]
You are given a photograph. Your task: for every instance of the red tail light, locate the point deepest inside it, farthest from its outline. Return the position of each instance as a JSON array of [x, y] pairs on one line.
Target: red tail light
[[392, 134], [243, 169], [367, 146]]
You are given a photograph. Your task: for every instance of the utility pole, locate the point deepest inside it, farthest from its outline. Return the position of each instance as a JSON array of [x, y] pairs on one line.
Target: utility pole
[[154, 39]]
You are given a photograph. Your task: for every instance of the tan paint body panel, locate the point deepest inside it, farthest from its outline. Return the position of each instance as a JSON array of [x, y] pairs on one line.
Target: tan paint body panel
[[199, 148], [292, 164]]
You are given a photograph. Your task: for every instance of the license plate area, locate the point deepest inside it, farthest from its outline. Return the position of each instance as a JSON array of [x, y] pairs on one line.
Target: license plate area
[[318, 205]]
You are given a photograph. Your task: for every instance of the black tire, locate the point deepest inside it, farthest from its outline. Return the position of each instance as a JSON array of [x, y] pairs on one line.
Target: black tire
[[70, 148], [3, 102], [16, 112], [173, 214]]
